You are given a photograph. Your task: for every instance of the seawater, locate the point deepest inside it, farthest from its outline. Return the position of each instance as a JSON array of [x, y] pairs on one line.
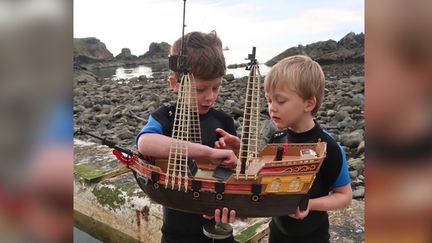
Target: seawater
[[81, 236], [124, 73]]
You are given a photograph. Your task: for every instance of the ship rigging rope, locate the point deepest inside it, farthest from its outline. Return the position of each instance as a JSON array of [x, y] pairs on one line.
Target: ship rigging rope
[[186, 128]]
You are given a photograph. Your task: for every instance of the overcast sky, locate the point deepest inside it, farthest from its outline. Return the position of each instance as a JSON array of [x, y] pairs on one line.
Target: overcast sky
[[272, 26]]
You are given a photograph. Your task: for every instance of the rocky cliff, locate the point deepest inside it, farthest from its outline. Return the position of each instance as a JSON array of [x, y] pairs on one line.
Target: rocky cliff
[[90, 53], [90, 50], [157, 50], [125, 55], [349, 49]]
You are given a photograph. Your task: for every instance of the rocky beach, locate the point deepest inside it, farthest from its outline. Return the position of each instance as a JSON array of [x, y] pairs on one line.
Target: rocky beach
[[118, 110]]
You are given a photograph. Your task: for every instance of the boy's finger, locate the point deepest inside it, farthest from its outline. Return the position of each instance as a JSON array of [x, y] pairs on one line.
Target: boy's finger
[[217, 215], [232, 216], [222, 142], [228, 164], [225, 215], [207, 216], [297, 213], [217, 145], [222, 132]]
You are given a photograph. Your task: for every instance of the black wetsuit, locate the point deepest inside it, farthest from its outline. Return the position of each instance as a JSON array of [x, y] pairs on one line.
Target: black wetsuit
[[332, 174]]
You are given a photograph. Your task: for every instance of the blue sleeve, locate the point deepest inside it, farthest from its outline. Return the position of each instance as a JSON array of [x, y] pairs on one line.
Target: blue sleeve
[[152, 126], [343, 177]]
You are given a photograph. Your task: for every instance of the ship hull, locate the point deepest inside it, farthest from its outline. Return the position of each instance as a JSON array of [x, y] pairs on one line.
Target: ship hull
[[206, 202]]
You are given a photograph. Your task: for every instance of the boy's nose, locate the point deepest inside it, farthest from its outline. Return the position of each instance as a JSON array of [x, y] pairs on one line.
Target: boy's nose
[[210, 96], [271, 107]]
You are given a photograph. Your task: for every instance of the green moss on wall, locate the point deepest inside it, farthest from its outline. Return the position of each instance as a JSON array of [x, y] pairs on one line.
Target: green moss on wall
[[86, 171], [248, 233], [110, 197]]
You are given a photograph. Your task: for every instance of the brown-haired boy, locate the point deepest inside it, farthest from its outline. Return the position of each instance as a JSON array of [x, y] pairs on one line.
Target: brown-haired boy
[[205, 59]]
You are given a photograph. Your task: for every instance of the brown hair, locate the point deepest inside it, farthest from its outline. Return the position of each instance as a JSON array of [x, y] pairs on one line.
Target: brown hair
[[300, 74], [204, 54]]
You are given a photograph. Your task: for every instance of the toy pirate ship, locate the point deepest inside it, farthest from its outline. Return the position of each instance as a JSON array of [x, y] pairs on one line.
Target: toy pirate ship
[[274, 181]]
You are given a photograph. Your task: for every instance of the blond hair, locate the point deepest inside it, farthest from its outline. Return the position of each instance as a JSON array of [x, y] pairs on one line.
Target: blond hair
[[204, 54], [300, 74]]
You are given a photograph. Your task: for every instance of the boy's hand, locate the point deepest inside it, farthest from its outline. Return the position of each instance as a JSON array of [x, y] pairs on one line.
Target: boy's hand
[[226, 218], [300, 215], [227, 141], [226, 157]]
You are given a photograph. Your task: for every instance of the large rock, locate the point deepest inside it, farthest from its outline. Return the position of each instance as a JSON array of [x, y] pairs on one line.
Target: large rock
[[125, 55], [356, 164], [157, 50], [90, 50], [359, 192], [229, 77], [361, 147], [351, 40], [84, 76], [352, 139], [349, 49]]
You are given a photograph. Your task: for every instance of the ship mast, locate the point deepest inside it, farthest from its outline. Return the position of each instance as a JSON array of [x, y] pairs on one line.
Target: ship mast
[[250, 127], [186, 125]]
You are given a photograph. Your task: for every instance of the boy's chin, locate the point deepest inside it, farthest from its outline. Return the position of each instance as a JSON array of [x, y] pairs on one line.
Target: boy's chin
[[278, 125], [203, 111]]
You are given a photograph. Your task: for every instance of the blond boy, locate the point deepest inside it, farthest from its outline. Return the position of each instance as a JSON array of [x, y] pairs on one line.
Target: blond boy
[[294, 90]]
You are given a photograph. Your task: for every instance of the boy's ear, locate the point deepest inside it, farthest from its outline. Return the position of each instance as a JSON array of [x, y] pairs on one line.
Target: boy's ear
[[172, 80], [310, 104]]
